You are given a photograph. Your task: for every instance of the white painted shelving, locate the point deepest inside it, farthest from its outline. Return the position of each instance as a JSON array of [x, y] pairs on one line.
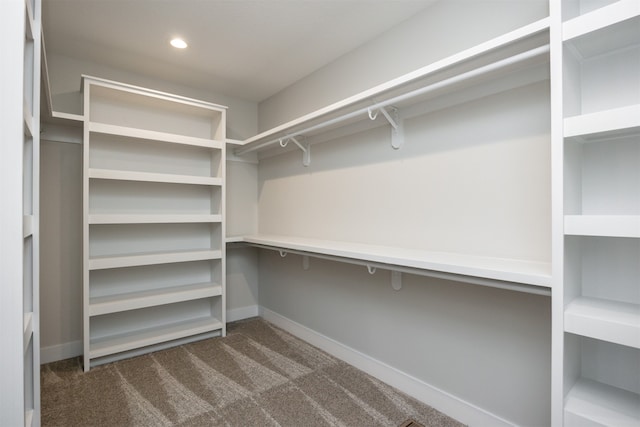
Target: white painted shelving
[[597, 324], [154, 252], [467, 268], [513, 59], [31, 212]]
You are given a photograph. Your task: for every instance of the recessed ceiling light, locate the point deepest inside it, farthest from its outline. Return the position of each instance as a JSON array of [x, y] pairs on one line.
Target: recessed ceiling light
[[178, 43]]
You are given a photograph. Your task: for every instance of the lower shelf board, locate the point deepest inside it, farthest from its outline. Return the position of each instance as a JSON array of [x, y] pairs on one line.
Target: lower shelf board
[[98, 263], [105, 346], [593, 403], [150, 298], [499, 269], [611, 321]]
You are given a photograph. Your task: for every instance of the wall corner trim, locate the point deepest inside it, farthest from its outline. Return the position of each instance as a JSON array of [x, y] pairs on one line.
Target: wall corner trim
[[447, 403]]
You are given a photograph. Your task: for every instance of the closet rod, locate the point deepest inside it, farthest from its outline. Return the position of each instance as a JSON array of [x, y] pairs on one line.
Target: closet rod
[[539, 51], [474, 280]]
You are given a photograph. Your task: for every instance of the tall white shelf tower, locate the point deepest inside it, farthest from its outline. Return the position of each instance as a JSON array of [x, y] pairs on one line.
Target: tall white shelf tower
[[596, 134], [20, 43], [154, 252]]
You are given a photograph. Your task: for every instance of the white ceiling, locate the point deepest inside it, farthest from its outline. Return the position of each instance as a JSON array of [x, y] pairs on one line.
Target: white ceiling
[[245, 48]]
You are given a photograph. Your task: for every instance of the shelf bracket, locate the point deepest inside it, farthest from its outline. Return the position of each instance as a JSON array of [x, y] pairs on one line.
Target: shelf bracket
[[396, 280], [397, 124], [305, 147], [371, 269], [283, 253], [305, 262]]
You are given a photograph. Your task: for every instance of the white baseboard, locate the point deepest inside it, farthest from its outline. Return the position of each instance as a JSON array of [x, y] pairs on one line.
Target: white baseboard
[[444, 402], [241, 313], [60, 352]]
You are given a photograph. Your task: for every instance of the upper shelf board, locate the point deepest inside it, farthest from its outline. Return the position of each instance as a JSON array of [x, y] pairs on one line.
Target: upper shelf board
[[602, 40], [528, 38], [153, 136], [600, 18], [604, 124], [508, 270], [138, 90]]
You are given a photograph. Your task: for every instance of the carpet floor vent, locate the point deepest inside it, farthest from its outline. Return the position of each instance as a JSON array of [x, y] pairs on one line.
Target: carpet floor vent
[[411, 423]]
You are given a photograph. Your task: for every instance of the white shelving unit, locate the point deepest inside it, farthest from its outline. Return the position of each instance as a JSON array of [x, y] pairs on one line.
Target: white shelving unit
[[20, 43], [31, 212], [597, 314], [154, 252]]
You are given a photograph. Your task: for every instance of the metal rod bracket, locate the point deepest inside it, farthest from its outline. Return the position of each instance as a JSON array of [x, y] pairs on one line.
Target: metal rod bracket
[[305, 147], [396, 280], [397, 124]]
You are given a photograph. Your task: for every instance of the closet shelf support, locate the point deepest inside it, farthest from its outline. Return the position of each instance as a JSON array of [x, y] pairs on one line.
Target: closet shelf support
[[397, 125], [306, 148]]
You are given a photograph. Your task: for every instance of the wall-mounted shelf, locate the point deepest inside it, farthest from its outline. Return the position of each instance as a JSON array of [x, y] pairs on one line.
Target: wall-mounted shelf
[[523, 48], [525, 276]]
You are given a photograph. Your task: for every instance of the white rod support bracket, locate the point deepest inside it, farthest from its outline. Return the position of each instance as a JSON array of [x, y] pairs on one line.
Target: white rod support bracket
[[305, 262], [397, 133], [371, 269], [306, 155], [397, 124], [306, 148], [283, 253], [396, 280]]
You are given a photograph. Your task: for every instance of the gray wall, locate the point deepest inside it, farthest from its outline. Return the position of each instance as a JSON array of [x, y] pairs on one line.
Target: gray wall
[[443, 29], [474, 178]]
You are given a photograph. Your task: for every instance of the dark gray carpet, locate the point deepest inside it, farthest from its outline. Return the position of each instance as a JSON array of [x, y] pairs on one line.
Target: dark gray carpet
[[258, 375]]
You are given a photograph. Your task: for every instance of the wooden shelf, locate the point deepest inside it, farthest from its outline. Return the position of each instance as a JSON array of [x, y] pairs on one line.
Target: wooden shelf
[[593, 403], [602, 225], [122, 175], [600, 18], [616, 122], [527, 38], [611, 321], [99, 263], [105, 346], [508, 270], [135, 300], [153, 135], [151, 218]]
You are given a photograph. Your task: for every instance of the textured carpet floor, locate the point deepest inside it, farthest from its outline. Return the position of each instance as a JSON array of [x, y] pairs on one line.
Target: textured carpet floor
[[258, 375]]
